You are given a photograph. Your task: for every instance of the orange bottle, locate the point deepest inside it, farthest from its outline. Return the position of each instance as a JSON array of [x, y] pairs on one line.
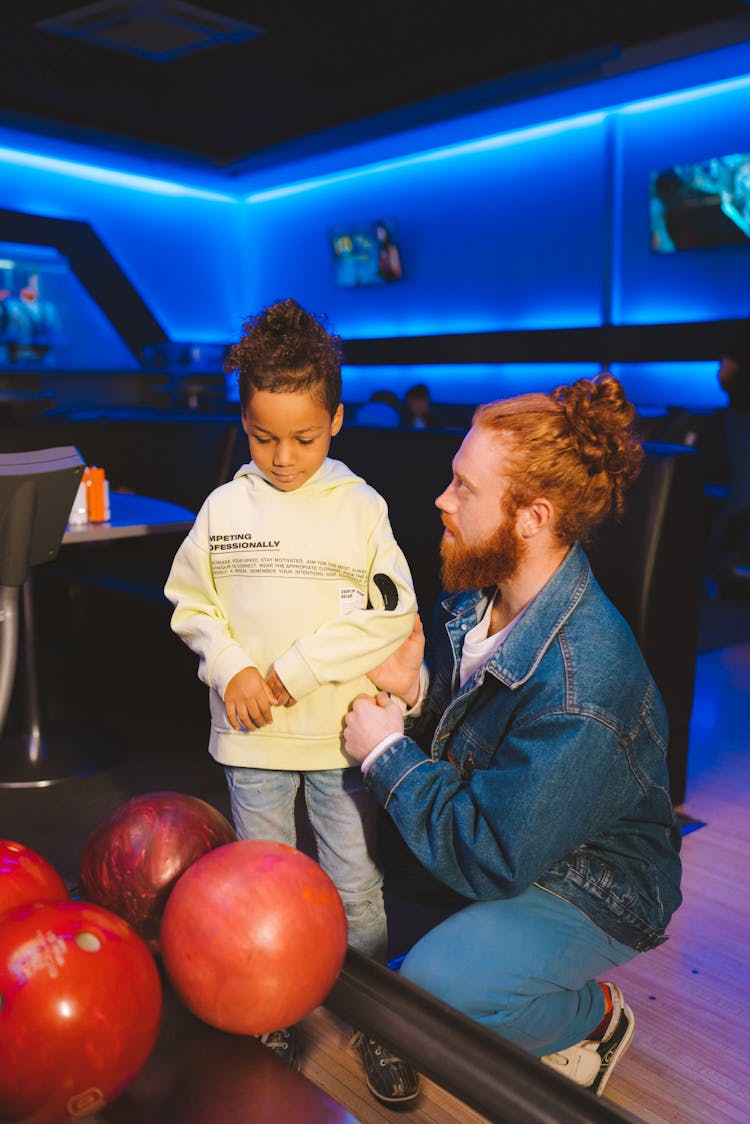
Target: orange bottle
[[94, 479]]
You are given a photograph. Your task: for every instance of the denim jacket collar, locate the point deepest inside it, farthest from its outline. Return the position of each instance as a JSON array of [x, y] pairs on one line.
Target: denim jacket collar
[[517, 658]]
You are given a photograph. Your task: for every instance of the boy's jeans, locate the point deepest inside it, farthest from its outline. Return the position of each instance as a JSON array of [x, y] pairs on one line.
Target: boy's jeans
[[343, 817]]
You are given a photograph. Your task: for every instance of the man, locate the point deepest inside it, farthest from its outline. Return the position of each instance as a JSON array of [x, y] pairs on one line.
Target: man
[[531, 775]]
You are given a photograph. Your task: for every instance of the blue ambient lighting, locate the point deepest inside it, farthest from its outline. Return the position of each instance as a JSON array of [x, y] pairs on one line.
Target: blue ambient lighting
[[681, 97], [97, 174], [692, 385], [466, 148], [464, 382]]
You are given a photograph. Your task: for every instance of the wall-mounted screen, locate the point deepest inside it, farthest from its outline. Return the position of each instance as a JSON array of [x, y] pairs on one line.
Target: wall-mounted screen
[[366, 253], [701, 205]]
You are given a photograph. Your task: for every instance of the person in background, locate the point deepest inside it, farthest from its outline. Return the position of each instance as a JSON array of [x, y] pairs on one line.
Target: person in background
[[530, 774], [289, 588], [382, 410], [417, 401], [389, 257]]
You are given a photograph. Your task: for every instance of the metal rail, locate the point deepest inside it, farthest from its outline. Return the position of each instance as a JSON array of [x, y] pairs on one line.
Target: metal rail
[[492, 1076]]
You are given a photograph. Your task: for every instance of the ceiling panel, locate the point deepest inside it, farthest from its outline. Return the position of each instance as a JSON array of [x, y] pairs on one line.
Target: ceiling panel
[[207, 91]]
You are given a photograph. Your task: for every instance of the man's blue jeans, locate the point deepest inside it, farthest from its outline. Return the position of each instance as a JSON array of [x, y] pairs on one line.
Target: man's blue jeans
[[524, 967], [343, 817]]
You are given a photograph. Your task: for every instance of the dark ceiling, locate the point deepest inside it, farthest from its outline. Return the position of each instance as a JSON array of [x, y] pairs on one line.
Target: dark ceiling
[[317, 66]]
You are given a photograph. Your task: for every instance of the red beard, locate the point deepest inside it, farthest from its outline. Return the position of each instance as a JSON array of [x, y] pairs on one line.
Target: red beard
[[491, 562]]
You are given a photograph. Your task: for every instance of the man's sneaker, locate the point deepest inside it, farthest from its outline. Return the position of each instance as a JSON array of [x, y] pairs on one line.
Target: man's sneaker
[[590, 1063], [284, 1044], [390, 1079]]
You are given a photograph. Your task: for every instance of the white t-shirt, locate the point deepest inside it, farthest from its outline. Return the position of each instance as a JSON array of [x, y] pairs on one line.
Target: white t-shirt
[[477, 649]]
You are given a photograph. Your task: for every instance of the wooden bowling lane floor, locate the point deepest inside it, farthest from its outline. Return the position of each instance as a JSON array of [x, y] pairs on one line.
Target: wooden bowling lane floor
[[329, 1061]]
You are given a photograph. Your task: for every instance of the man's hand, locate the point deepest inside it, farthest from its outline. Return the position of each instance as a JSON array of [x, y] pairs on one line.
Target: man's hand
[[283, 698], [368, 722], [248, 700], [399, 674]]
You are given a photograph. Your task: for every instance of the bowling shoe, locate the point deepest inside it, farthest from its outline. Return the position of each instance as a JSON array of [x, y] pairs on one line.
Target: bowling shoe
[[284, 1044], [390, 1079], [591, 1062]]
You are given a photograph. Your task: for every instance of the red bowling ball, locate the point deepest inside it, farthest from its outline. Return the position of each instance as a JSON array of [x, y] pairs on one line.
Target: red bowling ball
[[25, 876], [132, 859], [80, 1003], [253, 936]]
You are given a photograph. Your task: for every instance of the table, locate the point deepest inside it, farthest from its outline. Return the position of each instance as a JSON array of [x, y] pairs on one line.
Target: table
[[33, 759], [133, 517]]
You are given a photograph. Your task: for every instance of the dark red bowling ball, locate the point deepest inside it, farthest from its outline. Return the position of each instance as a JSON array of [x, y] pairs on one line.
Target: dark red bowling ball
[[80, 1003], [26, 876], [132, 859], [253, 936]]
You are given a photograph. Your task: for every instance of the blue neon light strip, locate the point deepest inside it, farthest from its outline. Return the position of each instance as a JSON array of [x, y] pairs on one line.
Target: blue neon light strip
[[679, 97], [465, 148], [147, 184], [495, 141]]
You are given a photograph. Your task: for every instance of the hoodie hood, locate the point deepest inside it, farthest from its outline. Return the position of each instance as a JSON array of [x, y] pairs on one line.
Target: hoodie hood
[[331, 475]]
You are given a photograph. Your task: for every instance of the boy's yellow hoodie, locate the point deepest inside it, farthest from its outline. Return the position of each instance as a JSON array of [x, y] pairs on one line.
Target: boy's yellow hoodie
[[291, 579]]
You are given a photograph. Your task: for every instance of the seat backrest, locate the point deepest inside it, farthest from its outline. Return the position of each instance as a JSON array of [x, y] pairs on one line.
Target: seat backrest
[[37, 489], [649, 565]]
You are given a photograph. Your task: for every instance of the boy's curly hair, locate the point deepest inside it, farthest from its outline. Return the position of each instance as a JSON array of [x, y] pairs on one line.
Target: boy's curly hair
[[286, 349]]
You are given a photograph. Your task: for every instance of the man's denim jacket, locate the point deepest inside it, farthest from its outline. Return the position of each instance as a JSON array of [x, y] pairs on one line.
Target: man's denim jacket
[[547, 767]]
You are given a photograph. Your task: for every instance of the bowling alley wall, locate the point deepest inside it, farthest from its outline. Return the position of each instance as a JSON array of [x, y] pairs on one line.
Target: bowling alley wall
[[523, 230]]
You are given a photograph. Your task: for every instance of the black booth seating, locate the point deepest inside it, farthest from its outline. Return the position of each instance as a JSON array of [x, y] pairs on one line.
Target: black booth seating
[[649, 564]]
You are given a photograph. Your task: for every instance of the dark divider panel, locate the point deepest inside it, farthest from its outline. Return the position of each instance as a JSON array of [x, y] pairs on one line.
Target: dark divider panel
[[649, 565], [176, 459], [410, 468]]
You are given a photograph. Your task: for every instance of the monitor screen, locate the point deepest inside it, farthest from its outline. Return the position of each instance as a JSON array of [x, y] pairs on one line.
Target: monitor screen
[[701, 205], [366, 253]]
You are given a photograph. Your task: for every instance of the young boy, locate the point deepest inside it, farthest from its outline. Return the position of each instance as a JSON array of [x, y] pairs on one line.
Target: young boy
[[290, 587]]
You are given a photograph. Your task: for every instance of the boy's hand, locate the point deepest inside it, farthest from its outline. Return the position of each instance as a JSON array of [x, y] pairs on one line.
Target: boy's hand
[[283, 698], [248, 700], [399, 674]]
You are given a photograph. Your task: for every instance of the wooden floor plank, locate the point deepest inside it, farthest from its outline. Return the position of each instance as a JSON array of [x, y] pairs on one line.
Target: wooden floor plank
[[331, 1063]]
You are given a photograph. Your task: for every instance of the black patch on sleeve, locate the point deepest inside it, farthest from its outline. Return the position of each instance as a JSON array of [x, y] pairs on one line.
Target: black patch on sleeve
[[388, 591]]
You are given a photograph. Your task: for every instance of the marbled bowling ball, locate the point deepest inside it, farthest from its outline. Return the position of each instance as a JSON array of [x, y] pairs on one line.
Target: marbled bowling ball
[[132, 859], [253, 936], [26, 876]]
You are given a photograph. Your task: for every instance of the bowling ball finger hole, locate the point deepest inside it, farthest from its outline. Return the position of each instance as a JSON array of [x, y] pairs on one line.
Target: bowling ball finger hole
[[88, 942]]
